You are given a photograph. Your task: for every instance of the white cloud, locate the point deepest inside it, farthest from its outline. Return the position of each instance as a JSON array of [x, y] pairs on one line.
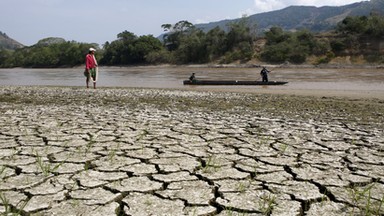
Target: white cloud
[[198, 21], [209, 19], [268, 5]]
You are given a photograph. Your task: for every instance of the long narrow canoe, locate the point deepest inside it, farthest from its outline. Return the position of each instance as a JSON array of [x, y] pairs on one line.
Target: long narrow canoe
[[231, 82]]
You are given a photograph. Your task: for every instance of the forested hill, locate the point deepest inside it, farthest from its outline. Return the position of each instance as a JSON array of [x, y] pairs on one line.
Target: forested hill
[[316, 19], [8, 43]]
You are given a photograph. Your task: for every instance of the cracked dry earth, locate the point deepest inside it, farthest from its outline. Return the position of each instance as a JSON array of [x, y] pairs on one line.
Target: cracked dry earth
[[71, 151]]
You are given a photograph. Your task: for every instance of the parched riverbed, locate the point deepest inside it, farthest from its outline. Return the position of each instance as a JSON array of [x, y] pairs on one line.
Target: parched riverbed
[[131, 151]]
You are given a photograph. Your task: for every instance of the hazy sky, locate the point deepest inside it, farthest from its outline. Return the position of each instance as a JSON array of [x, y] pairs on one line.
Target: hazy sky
[[98, 21]]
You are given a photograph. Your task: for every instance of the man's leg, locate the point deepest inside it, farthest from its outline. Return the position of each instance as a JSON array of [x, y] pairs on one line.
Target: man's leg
[[93, 80]]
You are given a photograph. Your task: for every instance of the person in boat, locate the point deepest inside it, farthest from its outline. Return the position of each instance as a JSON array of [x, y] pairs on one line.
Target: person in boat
[[90, 67], [264, 74], [192, 78]]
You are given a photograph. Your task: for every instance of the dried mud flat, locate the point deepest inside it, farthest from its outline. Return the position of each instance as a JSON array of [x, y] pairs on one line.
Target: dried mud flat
[[72, 151]]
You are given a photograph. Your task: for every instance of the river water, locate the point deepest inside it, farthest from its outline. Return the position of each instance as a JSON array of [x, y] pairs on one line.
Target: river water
[[300, 79]]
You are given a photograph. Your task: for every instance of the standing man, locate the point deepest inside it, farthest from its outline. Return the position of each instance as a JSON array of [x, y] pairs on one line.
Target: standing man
[[264, 74], [91, 67]]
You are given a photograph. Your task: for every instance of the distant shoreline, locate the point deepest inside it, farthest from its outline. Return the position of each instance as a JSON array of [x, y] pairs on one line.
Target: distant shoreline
[[237, 65], [325, 66]]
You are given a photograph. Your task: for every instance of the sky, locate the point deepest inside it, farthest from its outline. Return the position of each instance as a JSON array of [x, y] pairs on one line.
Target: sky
[[99, 21]]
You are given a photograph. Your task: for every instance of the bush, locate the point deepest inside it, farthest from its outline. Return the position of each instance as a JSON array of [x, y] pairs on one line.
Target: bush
[[298, 58], [338, 46], [293, 47], [374, 58], [159, 57], [276, 53]]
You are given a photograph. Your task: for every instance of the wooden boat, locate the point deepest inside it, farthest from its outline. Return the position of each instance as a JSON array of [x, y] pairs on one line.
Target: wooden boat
[[231, 82]]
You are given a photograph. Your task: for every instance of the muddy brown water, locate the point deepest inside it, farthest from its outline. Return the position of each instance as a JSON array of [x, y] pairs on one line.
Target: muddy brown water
[[370, 81]]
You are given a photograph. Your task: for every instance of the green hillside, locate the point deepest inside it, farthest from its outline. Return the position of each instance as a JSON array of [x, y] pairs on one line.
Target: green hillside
[[316, 19]]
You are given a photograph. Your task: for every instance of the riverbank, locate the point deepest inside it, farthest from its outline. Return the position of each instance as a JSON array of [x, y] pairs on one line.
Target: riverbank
[[137, 151], [265, 100]]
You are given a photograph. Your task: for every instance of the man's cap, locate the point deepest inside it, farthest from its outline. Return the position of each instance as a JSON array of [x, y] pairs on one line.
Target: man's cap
[[92, 49]]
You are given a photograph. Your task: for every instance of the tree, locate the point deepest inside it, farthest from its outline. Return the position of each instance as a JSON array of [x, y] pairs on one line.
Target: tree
[[375, 26], [372, 26], [354, 33], [126, 36], [49, 52], [5, 56], [287, 46], [175, 33], [192, 48], [216, 43], [130, 49], [240, 41], [145, 45], [239, 32], [276, 35], [183, 26]]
